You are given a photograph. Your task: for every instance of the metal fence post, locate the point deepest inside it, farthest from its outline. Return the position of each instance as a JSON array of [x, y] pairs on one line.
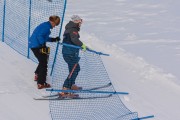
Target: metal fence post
[[57, 47], [4, 14], [29, 27]]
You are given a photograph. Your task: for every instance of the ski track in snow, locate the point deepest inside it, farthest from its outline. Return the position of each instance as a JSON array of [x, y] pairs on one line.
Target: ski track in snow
[[137, 64], [142, 80]]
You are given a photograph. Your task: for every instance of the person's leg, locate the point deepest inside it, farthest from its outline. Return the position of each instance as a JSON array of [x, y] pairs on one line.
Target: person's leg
[[42, 68], [75, 74], [36, 73], [74, 68], [36, 54], [67, 82], [37, 70]]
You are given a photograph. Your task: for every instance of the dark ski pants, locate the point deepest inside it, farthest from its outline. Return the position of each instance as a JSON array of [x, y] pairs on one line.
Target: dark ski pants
[[74, 69], [41, 69]]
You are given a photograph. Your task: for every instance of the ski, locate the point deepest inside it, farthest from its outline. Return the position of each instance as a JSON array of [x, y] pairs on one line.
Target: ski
[[75, 98], [94, 88]]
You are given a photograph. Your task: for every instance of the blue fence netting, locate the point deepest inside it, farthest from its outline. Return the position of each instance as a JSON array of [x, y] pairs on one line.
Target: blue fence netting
[[16, 25], [20, 19], [92, 73], [40, 11], [17, 22]]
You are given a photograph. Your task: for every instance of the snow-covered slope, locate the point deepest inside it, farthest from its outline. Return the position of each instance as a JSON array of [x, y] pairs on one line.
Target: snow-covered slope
[[152, 91], [142, 40], [17, 88]]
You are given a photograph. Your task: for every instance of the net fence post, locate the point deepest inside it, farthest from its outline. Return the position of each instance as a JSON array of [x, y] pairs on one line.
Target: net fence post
[[29, 27], [4, 14], [57, 47]]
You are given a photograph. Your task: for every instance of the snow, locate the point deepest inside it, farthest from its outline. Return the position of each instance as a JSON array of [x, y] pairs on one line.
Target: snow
[[17, 88], [143, 42]]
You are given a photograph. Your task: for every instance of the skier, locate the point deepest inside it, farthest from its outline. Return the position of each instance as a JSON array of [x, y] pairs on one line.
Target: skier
[[37, 43], [71, 55]]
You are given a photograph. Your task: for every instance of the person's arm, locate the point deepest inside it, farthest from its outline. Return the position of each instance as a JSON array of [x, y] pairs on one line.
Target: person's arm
[[56, 39], [75, 38]]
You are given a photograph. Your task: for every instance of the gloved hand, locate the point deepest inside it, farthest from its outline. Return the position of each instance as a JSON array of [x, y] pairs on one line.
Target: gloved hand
[[83, 47], [57, 39]]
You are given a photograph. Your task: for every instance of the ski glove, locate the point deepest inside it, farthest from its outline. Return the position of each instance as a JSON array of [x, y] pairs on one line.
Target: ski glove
[[83, 47], [57, 39]]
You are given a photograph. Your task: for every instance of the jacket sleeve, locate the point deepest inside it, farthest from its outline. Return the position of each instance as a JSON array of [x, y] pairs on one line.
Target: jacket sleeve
[[75, 38], [43, 36]]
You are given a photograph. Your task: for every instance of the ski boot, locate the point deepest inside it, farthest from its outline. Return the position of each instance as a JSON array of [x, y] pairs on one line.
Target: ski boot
[[45, 85], [36, 77], [67, 95], [75, 87]]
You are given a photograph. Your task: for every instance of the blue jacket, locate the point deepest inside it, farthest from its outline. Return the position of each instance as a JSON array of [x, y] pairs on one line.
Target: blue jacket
[[40, 35]]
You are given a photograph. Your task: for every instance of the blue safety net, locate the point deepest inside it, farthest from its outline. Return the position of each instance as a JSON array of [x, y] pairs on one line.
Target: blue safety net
[[21, 18], [40, 12], [88, 71], [16, 25], [1, 18]]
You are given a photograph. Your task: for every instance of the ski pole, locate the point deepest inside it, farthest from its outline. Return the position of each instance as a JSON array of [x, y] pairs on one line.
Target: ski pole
[[72, 71], [142, 118], [87, 91]]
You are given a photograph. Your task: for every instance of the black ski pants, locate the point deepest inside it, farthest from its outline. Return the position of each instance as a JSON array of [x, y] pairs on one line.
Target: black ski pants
[[41, 69]]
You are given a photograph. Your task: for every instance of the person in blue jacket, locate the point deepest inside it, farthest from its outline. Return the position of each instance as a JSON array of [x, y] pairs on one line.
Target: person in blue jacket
[[71, 55], [37, 43]]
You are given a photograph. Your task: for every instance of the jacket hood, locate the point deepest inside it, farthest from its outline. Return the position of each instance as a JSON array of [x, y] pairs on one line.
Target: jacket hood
[[72, 25]]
